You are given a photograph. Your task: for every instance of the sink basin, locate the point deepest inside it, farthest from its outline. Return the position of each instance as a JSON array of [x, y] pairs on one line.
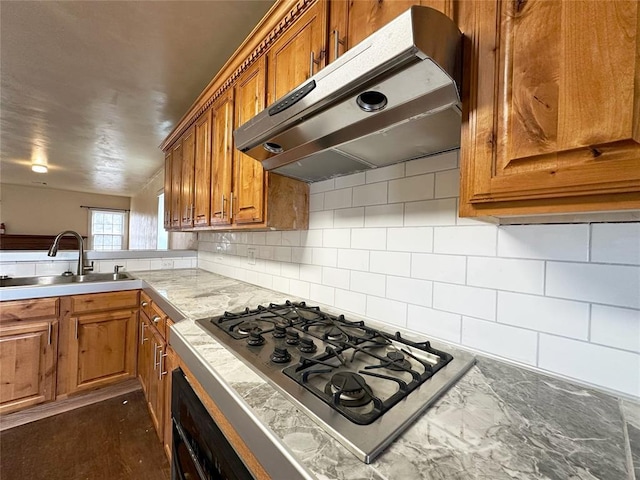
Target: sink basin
[[64, 280]]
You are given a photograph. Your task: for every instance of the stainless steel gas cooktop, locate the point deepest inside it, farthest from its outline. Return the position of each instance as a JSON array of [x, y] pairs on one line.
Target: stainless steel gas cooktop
[[364, 386]]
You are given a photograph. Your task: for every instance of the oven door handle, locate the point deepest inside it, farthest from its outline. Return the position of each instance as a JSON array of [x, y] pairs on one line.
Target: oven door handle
[[194, 458]]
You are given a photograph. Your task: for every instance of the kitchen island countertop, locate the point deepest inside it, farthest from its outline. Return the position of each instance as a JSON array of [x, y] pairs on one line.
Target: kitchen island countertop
[[498, 422]]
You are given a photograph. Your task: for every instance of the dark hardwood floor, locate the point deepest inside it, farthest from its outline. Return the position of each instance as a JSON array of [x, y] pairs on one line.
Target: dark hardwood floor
[[110, 440]]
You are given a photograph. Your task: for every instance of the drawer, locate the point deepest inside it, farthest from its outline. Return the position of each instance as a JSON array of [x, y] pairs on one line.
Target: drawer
[[145, 304], [28, 309], [158, 319], [96, 302]]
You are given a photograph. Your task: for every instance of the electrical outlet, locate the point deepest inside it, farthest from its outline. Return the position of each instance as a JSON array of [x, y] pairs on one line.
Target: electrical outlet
[[251, 256], [167, 264]]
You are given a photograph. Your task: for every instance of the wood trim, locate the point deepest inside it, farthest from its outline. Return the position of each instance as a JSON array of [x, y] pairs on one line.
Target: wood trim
[[227, 429], [270, 28], [37, 242]]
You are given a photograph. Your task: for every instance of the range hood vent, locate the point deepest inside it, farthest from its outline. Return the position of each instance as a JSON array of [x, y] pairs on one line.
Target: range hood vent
[[391, 98]]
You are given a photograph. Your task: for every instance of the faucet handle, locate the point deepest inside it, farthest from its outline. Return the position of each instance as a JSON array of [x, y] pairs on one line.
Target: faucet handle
[[86, 268], [116, 268]]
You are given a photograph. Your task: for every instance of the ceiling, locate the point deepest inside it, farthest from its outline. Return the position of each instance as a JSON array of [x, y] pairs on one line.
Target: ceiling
[[92, 88]]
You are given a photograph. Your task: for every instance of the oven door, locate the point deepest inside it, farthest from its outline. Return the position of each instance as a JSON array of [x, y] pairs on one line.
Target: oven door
[[200, 449]]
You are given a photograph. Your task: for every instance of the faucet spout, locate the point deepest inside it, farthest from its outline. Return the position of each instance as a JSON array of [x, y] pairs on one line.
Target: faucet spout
[[53, 250]]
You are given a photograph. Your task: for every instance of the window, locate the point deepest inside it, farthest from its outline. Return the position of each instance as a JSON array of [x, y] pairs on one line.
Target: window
[[108, 230], [163, 235]]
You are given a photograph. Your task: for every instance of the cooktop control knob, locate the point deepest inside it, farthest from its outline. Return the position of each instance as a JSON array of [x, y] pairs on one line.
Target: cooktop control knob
[[307, 345], [293, 338], [280, 331], [255, 339], [280, 355]]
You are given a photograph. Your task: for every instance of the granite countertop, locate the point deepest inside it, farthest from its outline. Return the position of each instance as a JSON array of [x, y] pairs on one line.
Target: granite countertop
[[498, 422]]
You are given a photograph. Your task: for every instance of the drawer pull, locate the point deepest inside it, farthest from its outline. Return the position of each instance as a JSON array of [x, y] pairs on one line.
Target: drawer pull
[[144, 304], [156, 319]]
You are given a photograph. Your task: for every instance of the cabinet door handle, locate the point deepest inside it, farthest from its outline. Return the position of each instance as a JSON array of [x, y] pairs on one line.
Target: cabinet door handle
[[160, 372], [142, 327], [222, 206], [144, 304], [337, 43], [155, 356], [76, 328], [49, 333], [156, 319], [231, 207], [311, 62]]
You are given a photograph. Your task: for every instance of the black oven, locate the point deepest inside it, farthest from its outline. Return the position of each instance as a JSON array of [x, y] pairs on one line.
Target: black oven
[[200, 449]]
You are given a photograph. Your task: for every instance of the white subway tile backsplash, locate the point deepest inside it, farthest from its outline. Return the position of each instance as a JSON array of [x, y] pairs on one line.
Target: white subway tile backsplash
[[385, 173], [447, 184], [25, 269], [350, 180], [609, 284], [351, 301], [292, 270], [291, 238], [546, 242], [505, 341], [316, 202], [336, 277], [410, 239], [353, 259], [311, 238], [384, 215], [591, 363], [58, 267], [526, 276], [322, 294], [410, 290], [337, 199], [410, 189], [434, 163], [388, 311], [441, 268], [327, 257], [465, 240], [265, 280], [138, 264], [551, 315], [275, 268], [299, 288], [430, 213], [615, 243], [178, 263], [616, 327], [349, 218], [336, 238], [274, 238], [324, 186], [374, 194], [302, 255], [391, 263], [369, 283], [369, 238], [266, 252], [259, 238], [319, 220], [479, 302], [281, 284], [311, 273], [434, 323]]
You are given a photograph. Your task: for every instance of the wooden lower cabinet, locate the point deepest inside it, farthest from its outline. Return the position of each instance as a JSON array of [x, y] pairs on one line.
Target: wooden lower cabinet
[[98, 340], [171, 362]]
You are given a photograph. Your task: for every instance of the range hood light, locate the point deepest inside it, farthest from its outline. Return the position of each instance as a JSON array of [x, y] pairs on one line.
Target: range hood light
[[371, 101]]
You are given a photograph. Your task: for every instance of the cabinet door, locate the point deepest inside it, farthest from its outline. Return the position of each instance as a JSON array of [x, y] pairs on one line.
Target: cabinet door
[[144, 347], [27, 363], [155, 396], [554, 118], [202, 181], [222, 159], [299, 53], [170, 364], [248, 188], [102, 349], [188, 159], [167, 190], [176, 186]]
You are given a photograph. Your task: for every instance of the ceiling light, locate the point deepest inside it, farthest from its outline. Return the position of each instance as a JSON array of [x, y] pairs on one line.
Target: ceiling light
[[39, 168]]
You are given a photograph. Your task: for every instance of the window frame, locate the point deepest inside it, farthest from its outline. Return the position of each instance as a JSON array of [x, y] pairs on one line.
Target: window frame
[[125, 229]]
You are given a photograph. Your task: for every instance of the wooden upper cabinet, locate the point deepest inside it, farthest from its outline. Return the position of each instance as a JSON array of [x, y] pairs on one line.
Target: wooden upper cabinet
[[202, 181], [353, 21], [249, 176], [167, 190], [222, 159], [299, 53], [176, 186], [553, 107], [188, 162]]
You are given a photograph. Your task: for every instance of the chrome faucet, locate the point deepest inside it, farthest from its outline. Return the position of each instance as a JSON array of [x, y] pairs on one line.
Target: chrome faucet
[[53, 250]]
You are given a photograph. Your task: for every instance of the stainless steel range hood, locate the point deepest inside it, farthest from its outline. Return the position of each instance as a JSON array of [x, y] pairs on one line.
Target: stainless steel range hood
[[391, 98]]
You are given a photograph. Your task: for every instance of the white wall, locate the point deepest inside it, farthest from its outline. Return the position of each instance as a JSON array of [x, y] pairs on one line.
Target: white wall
[[47, 211], [388, 244]]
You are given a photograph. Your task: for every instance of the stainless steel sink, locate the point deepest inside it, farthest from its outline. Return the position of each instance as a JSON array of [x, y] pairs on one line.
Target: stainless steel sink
[[63, 280]]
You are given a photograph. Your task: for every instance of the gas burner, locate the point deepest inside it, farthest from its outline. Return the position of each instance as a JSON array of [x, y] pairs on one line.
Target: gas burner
[[350, 388], [280, 355], [245, 328], [395, 361], [293, 338], [280, 331], [255, 339], [335, 335], [307, 345]]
